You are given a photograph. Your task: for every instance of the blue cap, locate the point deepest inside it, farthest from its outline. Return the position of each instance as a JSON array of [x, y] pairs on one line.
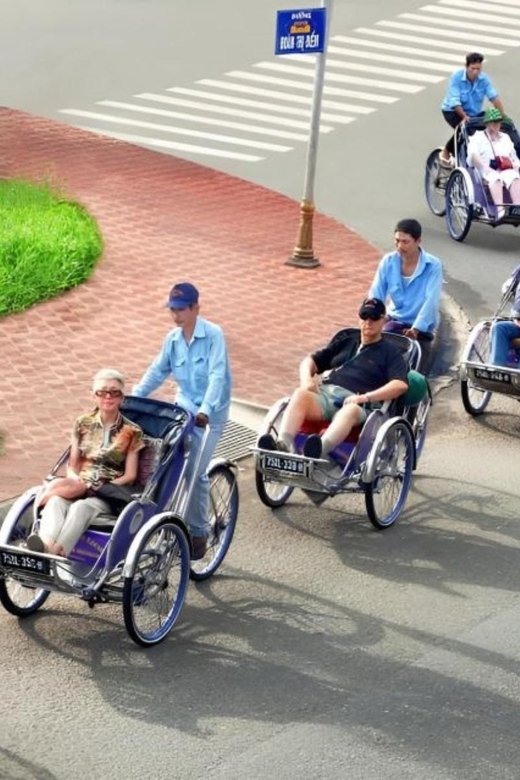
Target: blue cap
[[182, 295]]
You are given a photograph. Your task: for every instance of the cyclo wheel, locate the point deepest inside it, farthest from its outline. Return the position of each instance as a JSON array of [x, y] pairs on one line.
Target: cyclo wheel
[[21, 600], [459, 210], [435, 179], [473, 399], [386, 495], [154, 595], [272, 494], [223, 513]]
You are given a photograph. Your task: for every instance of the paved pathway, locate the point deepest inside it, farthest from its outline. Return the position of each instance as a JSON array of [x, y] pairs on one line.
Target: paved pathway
[[163, 220]]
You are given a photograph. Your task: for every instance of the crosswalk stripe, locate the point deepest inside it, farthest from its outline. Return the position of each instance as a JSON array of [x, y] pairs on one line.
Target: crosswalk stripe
[[475, 15], [219, 98], [111, 119], [427, 42], [264, 79], [204, 120], [449, 57], [366, 55], [453, 24], [486, 6], [173, 145], [503, 2], [295, 70], [285, 96], [423, 77], [235, 112], [470, 37]]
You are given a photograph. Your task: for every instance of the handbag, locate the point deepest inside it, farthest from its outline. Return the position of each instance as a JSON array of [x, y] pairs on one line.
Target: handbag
[[116, 496], [503, 163]]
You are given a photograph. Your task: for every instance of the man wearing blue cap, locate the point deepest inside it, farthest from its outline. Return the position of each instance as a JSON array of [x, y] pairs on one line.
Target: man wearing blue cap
[[195, 354]]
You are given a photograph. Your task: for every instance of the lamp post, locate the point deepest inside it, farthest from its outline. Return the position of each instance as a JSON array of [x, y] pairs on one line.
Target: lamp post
[[303, 252]]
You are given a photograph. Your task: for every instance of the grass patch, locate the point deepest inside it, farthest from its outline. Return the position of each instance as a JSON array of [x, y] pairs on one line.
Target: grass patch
[[47, 244]]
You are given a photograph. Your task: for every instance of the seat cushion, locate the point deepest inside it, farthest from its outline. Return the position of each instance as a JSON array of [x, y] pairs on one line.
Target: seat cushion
[[320, 426]]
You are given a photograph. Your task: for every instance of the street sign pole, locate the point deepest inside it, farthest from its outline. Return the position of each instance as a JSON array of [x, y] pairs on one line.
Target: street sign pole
[[303, 252]]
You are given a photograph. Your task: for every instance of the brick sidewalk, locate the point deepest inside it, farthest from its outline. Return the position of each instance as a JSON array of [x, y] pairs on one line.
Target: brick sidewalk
[[163, 220]]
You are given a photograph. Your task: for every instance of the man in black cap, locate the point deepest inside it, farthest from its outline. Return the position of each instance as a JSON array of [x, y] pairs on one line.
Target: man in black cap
[[376, 372]]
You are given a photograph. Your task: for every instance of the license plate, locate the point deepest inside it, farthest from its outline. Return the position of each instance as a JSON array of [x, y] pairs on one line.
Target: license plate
[[282, 463], [24, 562], [514, 211], [495, 376]]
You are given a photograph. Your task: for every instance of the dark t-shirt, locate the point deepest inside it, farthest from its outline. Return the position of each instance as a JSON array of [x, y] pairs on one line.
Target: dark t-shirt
[[373, 366]]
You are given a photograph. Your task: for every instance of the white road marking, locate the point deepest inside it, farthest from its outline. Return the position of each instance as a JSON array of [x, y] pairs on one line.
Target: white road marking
[[476, 6], [204, 120], [425, 41], [143, 140], [285, 96], [386, 47], [469, 36], [267, 107], [423, 77], [111, 119], [235, 112], [264, 79], [295, 70], [475, 16], [503, 2], [465, 25], [374, 55]]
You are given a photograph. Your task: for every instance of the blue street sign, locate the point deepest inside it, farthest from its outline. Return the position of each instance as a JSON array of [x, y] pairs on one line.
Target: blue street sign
[[300, 32]]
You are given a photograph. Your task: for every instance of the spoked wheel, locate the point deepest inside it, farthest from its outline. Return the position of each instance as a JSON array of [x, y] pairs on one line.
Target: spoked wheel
[[435, 178], [223, 512], [473, 399], [21, 600], [153, 597], [459, 209], [386, 495], [271, 493]]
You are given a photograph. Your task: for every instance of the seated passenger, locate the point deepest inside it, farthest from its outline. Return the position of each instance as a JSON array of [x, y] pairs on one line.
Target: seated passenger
[[502, 332], [104, 449], [409, 280], [376, 372], [493, 153]]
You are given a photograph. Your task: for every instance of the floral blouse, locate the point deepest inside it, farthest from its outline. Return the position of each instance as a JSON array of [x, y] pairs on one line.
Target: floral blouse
[[104, 450]]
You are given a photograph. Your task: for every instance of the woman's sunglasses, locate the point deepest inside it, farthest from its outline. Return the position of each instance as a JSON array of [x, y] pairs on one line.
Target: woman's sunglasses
[[108, 393]]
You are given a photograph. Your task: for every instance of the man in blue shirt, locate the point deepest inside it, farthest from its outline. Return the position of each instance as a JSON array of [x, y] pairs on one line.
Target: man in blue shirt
[[195, 354], [464, 100], [410, 280]]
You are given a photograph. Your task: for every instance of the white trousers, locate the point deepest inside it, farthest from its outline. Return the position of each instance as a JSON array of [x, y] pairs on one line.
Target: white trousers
[[64, 521]]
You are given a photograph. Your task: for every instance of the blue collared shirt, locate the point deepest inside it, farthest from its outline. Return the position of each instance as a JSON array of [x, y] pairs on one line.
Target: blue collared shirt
[[200, 368], [414, 302], [468, 94]]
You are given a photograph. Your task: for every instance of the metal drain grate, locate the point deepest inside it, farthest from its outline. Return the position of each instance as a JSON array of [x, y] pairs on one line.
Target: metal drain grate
[[236, 441]]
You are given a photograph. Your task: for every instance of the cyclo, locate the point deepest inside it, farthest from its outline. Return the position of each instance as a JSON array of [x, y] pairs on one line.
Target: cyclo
[[460, 194], [479, 378], [377, 459], [142, 558]]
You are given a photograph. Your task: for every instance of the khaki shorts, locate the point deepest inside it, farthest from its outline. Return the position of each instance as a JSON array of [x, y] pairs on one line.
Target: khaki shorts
[[330, 399]]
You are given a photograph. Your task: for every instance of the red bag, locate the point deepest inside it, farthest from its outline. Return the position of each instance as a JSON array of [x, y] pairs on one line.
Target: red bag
[[503, 163]]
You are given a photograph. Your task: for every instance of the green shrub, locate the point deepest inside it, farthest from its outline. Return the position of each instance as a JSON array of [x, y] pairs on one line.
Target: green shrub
[[47, 244]]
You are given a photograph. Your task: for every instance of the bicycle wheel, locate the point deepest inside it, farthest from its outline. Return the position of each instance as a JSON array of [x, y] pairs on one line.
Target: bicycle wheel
[[21, 600], [473, 399], [223, 513], [435, 178], [271, 493], [459, 210], [385, 496], [154, 595]]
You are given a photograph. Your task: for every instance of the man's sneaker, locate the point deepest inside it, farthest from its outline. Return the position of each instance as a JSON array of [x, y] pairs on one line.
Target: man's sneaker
[[266, 442], [313, 446], [199, 545]]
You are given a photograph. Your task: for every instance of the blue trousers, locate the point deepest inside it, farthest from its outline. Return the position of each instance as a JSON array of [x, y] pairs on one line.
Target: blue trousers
[[501, 335], [198, 508]]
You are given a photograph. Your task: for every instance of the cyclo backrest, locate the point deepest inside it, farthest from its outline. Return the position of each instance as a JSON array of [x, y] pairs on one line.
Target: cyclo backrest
[[162, 424]]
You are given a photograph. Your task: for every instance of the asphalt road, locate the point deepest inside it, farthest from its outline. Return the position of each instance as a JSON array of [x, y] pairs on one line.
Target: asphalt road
[[62, 56], [323, 649]]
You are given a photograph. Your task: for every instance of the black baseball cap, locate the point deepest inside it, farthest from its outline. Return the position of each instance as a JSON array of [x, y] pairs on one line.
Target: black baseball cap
[[372, 309]]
